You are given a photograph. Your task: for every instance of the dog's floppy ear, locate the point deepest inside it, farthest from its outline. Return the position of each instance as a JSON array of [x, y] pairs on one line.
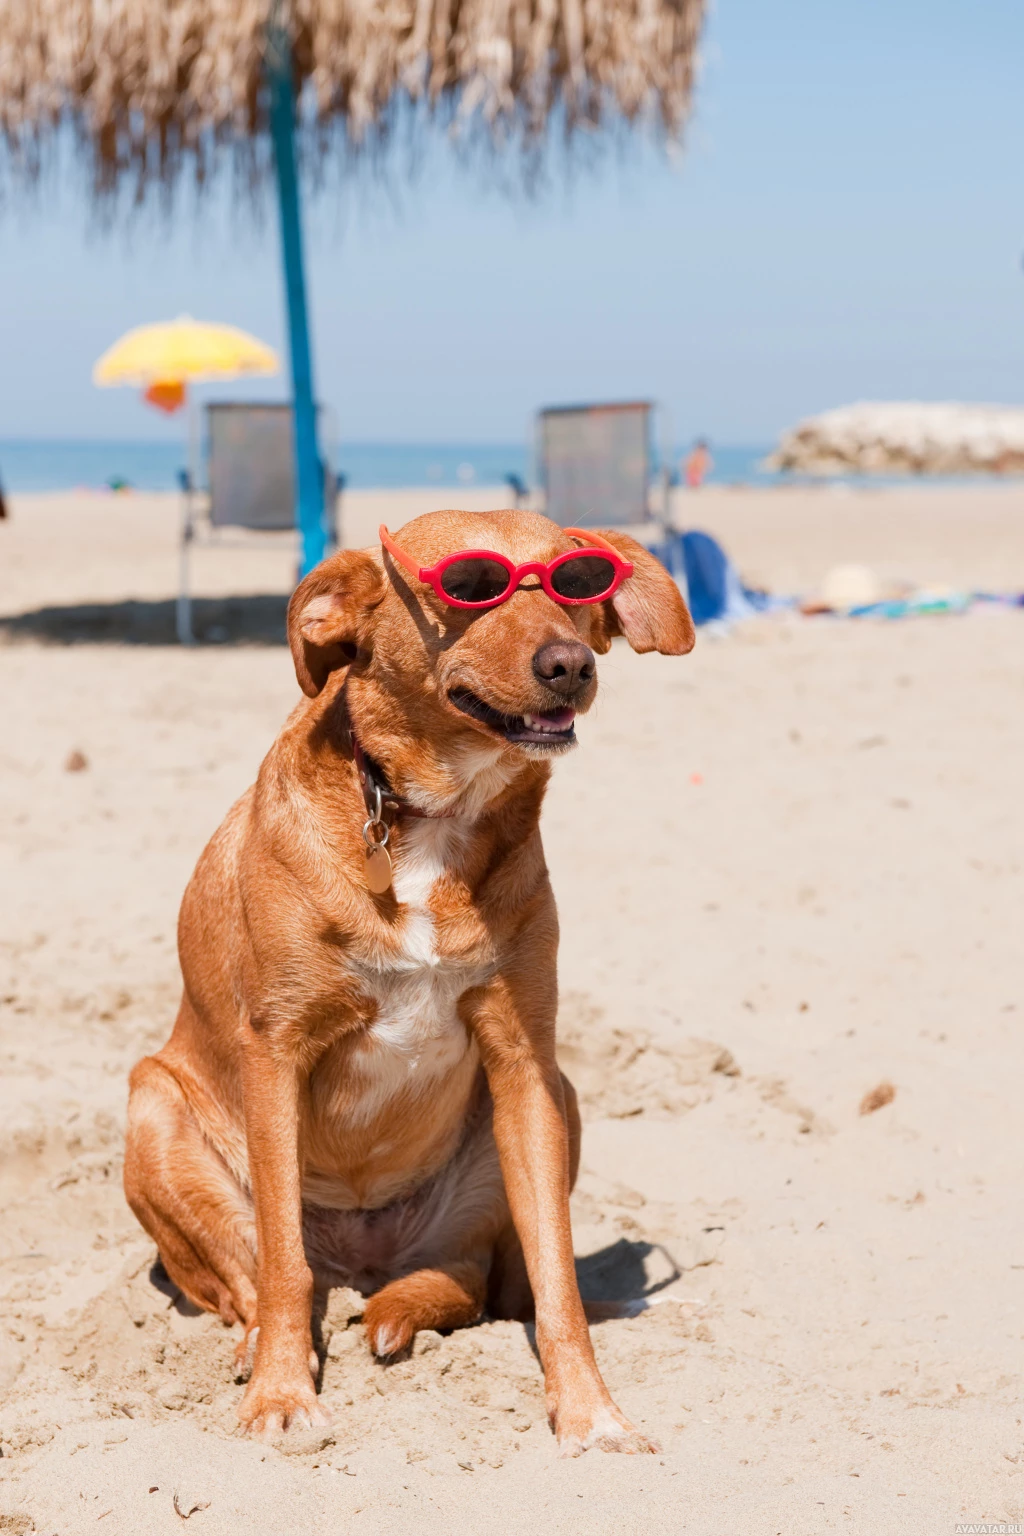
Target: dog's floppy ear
[[328, 612], [648, 608]]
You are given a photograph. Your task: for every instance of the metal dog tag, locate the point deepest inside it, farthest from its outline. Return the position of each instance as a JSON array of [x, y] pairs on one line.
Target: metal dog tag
[[378, 869]]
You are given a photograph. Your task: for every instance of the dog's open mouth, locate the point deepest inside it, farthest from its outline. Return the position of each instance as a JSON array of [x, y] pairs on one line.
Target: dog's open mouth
[[556, 728]]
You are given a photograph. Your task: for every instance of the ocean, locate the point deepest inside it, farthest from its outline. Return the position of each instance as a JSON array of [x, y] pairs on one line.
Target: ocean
[[39, 465]]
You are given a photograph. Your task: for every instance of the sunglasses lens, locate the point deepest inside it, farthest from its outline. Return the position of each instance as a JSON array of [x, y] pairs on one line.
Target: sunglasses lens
[[583, 576], [475, 581]]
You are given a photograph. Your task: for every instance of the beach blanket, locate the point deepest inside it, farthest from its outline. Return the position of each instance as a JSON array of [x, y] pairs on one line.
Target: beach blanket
[[717, 595]]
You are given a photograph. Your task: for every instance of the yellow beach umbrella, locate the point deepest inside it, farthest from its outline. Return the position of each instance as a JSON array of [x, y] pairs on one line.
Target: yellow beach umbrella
[[181, 351], [163, 360]]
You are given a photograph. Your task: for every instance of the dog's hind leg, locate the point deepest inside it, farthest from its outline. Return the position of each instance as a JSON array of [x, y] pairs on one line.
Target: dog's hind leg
[[448, 1297], [187, 1199], [469, 1250]]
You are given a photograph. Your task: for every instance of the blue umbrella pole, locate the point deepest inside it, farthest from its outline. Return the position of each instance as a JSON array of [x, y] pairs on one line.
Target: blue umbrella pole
[[309, 479]]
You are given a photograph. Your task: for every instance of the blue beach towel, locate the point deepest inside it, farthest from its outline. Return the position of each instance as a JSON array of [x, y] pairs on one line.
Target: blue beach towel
[[713, 582]]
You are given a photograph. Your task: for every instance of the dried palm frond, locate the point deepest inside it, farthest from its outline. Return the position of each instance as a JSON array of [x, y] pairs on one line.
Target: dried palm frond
[[152, 86]]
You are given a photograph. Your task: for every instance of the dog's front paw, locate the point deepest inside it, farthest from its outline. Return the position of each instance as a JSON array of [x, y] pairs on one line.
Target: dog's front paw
[[274, 1403], [601, 1429]]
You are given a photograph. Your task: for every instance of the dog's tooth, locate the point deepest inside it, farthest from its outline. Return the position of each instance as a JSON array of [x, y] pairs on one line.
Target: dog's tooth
[[528, 721]]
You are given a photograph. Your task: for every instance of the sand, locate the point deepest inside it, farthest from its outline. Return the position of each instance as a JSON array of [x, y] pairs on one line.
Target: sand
[[789, 870]]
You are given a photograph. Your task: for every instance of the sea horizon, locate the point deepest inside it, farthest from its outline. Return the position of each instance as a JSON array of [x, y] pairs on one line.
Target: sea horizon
[[64, 464]]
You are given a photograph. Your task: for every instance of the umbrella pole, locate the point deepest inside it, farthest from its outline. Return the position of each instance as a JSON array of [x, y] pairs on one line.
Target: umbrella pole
[[309, 486], [183, 615]]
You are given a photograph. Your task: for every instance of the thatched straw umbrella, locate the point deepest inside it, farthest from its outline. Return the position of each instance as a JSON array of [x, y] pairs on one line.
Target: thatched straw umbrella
[[154, 88], [906, 437]]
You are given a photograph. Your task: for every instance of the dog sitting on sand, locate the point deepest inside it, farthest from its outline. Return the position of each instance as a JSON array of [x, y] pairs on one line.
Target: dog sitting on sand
[[361, 1085]]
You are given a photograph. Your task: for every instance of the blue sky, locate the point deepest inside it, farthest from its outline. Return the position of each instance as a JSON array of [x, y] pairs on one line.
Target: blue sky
[[847, 222]]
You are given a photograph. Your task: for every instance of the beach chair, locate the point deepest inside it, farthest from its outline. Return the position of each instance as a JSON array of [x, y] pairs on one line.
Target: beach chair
[[594, 464], [595, 467], [250, 463]]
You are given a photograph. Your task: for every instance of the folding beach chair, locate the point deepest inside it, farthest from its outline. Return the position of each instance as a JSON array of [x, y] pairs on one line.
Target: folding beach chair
[[595, 467], [251, 477], [595, 464]]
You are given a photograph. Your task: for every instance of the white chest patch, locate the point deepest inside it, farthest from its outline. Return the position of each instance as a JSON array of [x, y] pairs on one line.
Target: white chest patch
[[417, 1036]]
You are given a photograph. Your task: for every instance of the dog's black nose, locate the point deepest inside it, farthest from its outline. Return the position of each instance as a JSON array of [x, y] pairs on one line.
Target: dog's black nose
[[564, 666]]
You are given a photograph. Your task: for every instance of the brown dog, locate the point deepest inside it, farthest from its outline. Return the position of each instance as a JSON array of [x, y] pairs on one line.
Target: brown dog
[[363, 1087]]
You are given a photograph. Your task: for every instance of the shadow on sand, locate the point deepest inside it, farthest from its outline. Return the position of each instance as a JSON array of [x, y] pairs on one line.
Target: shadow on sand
[[614, 1275], [258, 619], [618, 1273]]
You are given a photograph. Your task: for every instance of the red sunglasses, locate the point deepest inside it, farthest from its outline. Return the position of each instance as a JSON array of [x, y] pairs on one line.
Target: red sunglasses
[[481, 578]]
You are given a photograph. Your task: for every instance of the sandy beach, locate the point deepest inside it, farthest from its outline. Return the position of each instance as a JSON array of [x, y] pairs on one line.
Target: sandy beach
[[808, 884]]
